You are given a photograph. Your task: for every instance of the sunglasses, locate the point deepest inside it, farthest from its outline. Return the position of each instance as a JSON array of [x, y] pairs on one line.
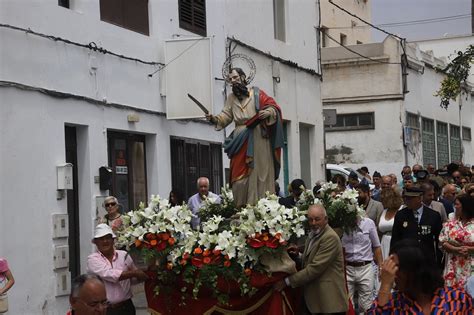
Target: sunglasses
[[112, 204]]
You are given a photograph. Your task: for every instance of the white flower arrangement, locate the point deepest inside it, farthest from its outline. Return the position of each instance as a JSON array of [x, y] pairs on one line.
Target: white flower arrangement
[[157, 218]]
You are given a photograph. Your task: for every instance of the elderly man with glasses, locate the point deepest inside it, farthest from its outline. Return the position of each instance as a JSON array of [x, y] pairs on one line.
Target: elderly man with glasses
[[88, 296], [117, 269]]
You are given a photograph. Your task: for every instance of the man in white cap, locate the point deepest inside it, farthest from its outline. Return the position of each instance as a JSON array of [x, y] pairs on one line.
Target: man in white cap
[[116, 268]]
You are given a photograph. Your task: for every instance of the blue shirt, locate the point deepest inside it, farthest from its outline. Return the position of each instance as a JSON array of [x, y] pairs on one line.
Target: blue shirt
[[194, 203], [359, 244]]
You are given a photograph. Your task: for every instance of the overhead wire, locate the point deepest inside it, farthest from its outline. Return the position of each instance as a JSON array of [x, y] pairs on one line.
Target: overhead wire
[[179, 55], [92, 46], [408, 23], [404, 63], [362, 20], [359, 54]]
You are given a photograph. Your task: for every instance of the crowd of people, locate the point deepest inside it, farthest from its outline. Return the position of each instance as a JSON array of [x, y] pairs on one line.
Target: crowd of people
[[411, 253], [413, 250]]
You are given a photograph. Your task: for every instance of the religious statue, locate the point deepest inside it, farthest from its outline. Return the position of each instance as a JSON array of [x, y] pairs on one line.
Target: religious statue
[[254, 147]]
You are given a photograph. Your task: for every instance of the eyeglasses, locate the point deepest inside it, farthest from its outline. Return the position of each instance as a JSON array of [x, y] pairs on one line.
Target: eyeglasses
[[112, 204]]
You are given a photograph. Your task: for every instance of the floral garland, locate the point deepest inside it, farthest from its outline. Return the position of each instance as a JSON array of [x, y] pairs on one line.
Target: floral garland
[[221, 249]]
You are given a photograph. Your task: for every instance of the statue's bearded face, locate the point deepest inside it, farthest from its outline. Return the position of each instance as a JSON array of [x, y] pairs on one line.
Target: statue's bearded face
[[234, 77], [238, 86]]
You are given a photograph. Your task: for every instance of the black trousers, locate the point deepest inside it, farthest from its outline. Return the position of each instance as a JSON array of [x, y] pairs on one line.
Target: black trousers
[[126, 309]]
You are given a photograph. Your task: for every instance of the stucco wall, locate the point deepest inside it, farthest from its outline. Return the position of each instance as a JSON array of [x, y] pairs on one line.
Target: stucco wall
[[338, 21], [32, 124], [380, 149]]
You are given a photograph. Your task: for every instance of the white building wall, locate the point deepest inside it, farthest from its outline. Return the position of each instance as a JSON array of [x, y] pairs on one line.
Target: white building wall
[[380, 149], [421, 100], [338, 21], [447, 47], [355, 85], [32, 124]]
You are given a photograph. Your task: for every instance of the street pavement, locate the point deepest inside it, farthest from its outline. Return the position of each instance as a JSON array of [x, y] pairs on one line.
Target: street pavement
[[139, 299]]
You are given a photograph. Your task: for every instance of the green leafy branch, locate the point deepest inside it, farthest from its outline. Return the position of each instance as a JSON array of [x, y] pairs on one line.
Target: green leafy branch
[[457, 72]]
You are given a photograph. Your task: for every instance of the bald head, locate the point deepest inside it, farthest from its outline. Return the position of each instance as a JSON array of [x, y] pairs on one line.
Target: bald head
[[88, 296], [449, 192], [386, 182]]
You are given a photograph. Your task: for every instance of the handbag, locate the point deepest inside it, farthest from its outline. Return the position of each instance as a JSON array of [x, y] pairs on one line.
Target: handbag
[[3, 303]]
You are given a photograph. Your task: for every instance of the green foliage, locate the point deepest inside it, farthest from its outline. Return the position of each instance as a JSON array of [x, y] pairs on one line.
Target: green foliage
[[457, 72]]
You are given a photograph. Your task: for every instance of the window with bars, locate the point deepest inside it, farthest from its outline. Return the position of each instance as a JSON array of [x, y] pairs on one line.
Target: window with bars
[[442, 143], [455, 142], [132, 15], [466, 133], [192, 16], [412, 121], [279, 24], [428, 141], [191, 159], [359, 121]]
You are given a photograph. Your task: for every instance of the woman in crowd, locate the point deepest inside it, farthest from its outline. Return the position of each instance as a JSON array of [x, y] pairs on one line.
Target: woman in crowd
[[6, 282], [392, 202], [175, 198], [457, 241], [113, 218], [419, 286]]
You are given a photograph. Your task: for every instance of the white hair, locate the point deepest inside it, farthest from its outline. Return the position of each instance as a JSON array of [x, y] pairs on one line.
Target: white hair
[[110, 198], [202, 178], [446, 187], [323, 210]]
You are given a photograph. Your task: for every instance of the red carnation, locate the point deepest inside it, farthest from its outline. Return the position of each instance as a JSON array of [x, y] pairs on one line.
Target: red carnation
[[197, 262], [255, 243]]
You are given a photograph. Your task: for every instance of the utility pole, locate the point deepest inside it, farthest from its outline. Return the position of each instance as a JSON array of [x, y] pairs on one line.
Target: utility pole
[[472, 16]]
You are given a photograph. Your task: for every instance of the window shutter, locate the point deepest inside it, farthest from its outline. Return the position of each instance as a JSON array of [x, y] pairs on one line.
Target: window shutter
[[192, 16], [135, 15]]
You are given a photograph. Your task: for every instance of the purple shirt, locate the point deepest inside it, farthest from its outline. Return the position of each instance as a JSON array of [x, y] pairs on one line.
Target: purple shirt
[[359, 244], [98, 264], [194, 203]]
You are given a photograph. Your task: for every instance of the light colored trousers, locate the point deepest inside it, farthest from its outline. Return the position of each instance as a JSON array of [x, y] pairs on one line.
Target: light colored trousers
[[361, 280]]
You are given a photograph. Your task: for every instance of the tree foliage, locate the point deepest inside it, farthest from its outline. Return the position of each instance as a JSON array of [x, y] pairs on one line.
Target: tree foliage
[[457, 72]]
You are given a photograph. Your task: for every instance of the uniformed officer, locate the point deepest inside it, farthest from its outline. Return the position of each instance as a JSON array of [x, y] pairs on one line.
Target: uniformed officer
[[418, 222]]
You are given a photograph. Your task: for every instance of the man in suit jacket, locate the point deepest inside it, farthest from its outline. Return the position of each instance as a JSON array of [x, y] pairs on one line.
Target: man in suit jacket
[[322, 276], [373, 208], [418, 222]]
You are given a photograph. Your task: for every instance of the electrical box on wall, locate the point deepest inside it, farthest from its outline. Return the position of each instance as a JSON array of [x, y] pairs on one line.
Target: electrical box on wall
[[61, 256], [60, 225], [64, 175], [63, 283], [105, 178]]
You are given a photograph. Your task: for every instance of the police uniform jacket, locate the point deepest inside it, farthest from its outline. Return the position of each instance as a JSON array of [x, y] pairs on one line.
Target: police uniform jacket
[[426, 231]]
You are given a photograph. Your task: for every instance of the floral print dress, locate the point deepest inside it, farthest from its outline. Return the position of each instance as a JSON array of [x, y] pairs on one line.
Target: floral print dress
[[458, 268]]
